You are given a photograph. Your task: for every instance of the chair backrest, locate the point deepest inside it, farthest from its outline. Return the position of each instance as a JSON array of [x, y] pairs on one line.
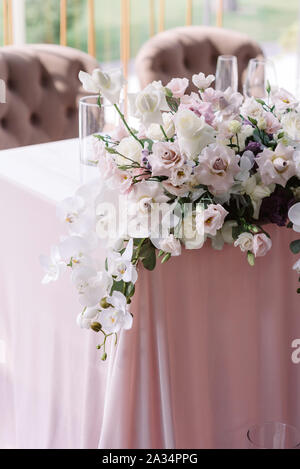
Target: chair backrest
[[182, 52], [42, 93]]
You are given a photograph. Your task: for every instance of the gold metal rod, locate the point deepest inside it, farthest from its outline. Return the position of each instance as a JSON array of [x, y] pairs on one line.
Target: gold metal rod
[[91, 30], [10, 23], [63, 22], [220, 14], [152, 18], [125, 45], [189, 12], [161, 23], [5, 22]]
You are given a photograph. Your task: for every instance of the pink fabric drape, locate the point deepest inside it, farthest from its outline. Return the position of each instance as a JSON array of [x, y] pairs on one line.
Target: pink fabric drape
[[209, 353]]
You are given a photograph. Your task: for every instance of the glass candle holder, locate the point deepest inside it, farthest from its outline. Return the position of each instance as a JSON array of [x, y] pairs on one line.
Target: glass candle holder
[[273, 435], [260, 74], [227, 73]]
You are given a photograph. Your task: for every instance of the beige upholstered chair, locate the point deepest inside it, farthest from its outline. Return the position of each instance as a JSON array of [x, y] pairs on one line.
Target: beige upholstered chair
[[42, 93], [182, 52]]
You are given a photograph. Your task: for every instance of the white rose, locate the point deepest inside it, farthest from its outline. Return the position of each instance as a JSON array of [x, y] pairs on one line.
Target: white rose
[[291, 125], [202, 82], [109, 84], [193, 133], [149, 104], [154, 131], [193, 230], [131, 149], [245, 242]]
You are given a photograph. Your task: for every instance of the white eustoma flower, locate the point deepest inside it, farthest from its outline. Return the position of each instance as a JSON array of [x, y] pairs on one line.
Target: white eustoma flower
[[245, 242], [193, 133], [257, 192], [117, 316], [52, 265], [149, 103], [120, 265], [92, 286], [202, 82], [87, 317], [169, 245], [193, 230], [294, 216], [291, 125], [109, 83]]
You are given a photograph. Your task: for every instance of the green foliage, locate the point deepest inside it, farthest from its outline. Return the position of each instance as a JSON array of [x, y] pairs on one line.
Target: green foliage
[[295, 246]]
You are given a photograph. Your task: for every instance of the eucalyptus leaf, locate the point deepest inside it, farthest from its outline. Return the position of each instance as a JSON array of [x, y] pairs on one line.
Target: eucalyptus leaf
[[295, 246]]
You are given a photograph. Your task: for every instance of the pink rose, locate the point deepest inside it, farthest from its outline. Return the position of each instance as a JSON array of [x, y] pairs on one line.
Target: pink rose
[[178, 86], [261, 245], [176, 190], [164, 157], [214, 217], [276, 166], [120, 181], [210, 95], [218, 164]]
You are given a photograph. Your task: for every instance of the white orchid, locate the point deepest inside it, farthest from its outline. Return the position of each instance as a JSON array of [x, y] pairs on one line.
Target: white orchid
[[92, 286], [294, 216], [120, 265], [73, 248], [109, 84], [170, 245], [202, 82], [117, 316], [52, 265], [87, 317]]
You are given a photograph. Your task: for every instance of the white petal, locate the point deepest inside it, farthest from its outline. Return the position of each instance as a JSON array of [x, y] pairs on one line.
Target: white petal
[[294, 214]]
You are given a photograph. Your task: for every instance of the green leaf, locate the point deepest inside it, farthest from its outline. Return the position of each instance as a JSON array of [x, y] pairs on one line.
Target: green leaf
[[130, 290], [173, 103], [295, 246], [149, 261], [253, 121], [298, 290], [261, 101], [251, 258], [149, 141], [168, 92], [268, 88], [280, 135]]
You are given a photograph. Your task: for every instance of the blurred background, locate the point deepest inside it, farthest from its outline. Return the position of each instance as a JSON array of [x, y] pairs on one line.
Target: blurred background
[[114, 30]]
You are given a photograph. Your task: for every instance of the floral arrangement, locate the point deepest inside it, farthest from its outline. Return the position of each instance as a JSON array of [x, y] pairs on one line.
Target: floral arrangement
[[206, 166]]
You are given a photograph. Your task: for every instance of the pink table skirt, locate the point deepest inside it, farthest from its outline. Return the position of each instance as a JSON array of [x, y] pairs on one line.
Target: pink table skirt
[[209, 353]]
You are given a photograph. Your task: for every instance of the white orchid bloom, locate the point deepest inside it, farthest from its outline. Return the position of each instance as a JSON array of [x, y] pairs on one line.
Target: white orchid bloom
[[92, 286], [87, 317], [294, 216], [52, 265], [74, 248], [120, 265], [117, 316], [109, 84], [296, 266]]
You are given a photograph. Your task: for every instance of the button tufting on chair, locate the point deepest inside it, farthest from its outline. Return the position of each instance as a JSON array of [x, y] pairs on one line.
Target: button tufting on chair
[[182, 52], [43, 91]]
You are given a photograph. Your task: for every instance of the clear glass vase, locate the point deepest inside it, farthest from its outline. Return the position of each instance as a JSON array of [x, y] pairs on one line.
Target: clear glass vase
[[93, 119], [273, 435]]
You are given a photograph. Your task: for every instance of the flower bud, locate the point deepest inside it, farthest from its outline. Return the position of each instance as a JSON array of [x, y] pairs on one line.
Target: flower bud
[[104, 304], [96, 326], [104, 357]]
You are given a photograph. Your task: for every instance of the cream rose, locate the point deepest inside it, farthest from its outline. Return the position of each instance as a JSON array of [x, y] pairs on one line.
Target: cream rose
[[154, 131], [291, 125], [129, 148], [193, 133]]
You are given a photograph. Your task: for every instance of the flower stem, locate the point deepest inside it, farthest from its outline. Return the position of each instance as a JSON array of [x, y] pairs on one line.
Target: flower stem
[[127, 126]]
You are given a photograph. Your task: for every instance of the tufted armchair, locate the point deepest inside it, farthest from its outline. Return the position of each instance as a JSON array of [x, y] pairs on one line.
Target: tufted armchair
[[182, 52], [42, 93]]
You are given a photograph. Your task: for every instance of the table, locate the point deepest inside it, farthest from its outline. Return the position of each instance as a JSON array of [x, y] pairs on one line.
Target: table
[[209, 353]]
